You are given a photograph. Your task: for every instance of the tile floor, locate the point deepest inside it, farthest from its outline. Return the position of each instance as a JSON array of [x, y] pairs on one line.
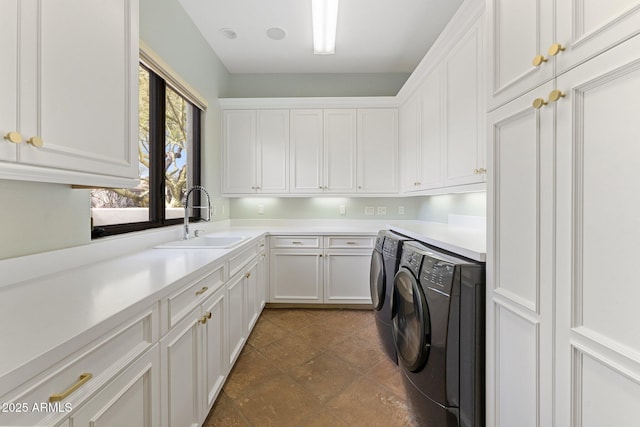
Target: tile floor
[[304, 367]]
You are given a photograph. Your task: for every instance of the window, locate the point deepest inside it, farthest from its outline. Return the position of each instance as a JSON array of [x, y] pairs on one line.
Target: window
[[168, 161]]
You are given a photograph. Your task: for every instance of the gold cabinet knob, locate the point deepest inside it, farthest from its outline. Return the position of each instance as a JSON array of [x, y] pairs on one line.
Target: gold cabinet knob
[[538, 60], [14, 137], [247, 275], [203, 319], [538, 103], [36, 141], [208, 315], [555, 49], [555, 95]]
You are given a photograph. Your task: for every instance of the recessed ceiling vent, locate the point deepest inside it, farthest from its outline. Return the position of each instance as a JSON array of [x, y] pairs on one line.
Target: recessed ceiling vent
[[229, 33], [276, 33]]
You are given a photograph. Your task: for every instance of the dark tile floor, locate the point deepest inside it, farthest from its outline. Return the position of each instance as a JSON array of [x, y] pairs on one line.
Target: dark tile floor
[[304, 367]]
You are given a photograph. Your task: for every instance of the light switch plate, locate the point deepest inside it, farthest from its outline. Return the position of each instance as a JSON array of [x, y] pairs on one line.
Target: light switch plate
[[400, 210], [368, 210], [260, 208], [342, 209]]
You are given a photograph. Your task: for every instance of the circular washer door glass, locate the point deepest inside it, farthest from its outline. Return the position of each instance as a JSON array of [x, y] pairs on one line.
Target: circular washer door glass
[[410, 318], [376, 280]]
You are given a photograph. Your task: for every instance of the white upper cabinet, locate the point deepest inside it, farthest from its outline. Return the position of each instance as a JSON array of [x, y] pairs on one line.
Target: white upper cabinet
[[409, 144], [339, 151], [239, 136], [9, 83], [464, 114], [273, 151], [527, 49], [73, 104], [377, 150], [307, 151], [519, 33], [586, 28], [255, 151]]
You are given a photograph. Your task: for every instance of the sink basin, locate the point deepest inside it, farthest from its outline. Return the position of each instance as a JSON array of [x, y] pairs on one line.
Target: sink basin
[[205, 242]]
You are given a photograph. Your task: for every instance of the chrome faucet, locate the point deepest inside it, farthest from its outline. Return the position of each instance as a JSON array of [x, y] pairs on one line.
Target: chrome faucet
[[186, 208]]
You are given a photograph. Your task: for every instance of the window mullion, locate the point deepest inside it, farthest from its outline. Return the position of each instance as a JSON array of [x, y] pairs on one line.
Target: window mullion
[[157, 104]]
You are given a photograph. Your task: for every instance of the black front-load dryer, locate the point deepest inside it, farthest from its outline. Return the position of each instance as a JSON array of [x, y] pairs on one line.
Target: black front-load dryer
[[384, 265], [438, 329]]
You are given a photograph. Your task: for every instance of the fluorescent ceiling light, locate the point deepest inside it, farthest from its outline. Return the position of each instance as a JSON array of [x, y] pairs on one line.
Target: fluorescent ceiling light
[[325, 24]]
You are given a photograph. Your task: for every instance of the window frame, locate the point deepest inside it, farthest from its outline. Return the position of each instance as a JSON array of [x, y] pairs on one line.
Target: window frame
[[157, 143]]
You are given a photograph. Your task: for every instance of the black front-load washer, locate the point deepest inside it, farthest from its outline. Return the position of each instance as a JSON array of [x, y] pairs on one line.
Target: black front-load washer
[[438, 329], [384, 265]]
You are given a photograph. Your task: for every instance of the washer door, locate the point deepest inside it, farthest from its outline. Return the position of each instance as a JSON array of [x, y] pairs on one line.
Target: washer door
[[376, 280], [411, 323]]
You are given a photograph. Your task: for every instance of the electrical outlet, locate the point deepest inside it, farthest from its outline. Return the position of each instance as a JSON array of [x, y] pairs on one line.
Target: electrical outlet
[[342, 210], [261, 208], [382, 210], [400, 210], [368, 210]]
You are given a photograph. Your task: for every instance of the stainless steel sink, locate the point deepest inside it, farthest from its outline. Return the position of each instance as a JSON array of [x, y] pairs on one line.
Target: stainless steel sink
[[205, 242]]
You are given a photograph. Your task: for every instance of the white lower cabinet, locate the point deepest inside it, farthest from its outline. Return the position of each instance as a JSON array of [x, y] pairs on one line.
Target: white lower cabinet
[[214, 355], [131, 399], [309, 269], [181, 372]]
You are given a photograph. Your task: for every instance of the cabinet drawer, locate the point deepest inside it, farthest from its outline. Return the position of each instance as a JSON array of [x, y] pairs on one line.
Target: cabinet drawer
[[349, 242], [238, 261], [295, 242], [70, 382], [183, 301]]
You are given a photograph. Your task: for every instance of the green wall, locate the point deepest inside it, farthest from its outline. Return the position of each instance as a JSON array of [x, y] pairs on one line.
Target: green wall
[[297, 85]]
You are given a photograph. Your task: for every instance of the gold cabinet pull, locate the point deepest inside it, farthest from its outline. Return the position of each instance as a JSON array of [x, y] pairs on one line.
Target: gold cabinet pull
[[61, 396], [247, 275], [208, 315], [36, 141], [538, 103], [538, 60], [203, 320], [556, 95], [202, 291], [555, 49], [14, 137]]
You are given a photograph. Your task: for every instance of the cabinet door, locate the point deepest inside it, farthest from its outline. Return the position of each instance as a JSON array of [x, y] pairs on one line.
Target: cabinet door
[[236, 289], [409, 134], [239, 142], [252, 309], [131, 399], [430, 160], [378, 150], [80, 99], [517, 31], [340, 151], [306, 151], [598, 333], [273, 151], [520, 263], [215, 362], [295, 276], [464, 135], [586, 28], [346, 277], [9, 82], [181, 373]]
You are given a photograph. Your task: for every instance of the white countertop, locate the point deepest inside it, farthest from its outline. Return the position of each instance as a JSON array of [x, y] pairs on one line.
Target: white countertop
[[75, 300]]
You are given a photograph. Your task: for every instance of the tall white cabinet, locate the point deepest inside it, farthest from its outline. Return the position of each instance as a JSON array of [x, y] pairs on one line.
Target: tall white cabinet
[[68, 111], [562, 239]]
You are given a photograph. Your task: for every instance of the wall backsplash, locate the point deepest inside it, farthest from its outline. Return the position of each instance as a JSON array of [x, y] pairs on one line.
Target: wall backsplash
[[322, 207], [425, 208], [437, 208]]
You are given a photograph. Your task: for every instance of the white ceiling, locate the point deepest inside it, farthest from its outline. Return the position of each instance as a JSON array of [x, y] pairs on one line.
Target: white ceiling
[[374, 36]]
